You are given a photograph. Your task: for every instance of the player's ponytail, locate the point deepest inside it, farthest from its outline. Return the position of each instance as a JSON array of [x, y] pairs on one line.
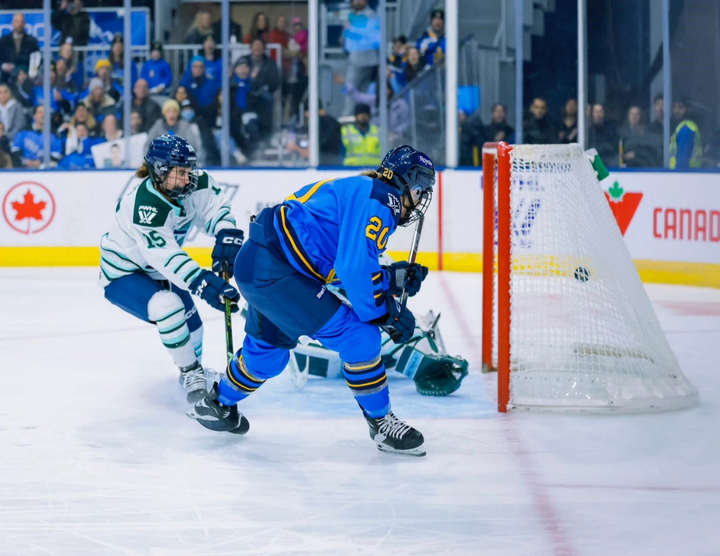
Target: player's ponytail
[[374, 174], [143, 171]]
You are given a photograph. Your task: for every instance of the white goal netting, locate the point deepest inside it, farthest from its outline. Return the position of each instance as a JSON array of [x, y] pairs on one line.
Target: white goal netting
[[583, 334]]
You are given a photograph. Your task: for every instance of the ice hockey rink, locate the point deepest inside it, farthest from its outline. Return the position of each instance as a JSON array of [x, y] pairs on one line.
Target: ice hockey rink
[[98, 459]]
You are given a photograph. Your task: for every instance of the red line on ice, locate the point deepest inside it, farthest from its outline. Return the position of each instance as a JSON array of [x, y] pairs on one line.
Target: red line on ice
[[543, 505]]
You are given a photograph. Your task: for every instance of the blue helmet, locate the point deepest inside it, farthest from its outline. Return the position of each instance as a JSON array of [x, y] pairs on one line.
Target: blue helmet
[[165, 153], [413, 173]]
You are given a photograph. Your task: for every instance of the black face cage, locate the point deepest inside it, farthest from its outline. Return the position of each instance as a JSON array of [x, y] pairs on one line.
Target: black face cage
[[413, 214], [159, 179]]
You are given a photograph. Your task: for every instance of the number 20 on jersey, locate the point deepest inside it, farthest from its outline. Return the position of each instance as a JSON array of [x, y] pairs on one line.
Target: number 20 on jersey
[[372, 230]]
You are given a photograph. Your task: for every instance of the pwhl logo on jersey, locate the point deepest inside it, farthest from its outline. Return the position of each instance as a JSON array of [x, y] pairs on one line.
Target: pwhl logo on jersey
[[623, 205], [146, 214], [28, 207]]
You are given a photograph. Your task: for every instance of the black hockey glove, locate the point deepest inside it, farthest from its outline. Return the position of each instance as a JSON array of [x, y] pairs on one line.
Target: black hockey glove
[[399, 323], [227, 244], [403, 274], [213, 290]]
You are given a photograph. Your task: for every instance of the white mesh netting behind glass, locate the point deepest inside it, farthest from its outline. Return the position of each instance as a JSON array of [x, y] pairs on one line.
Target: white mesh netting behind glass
[[583, 333]]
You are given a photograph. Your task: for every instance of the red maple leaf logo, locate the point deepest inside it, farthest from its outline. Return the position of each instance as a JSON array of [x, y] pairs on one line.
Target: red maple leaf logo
[[28, 208], [623, 205]]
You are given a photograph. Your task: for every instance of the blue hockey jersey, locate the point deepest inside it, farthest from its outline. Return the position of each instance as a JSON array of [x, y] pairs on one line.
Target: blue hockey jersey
[[334, 231]]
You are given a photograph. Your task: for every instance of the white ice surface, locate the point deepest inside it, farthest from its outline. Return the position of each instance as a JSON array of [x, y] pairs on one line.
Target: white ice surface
[[97, 457]]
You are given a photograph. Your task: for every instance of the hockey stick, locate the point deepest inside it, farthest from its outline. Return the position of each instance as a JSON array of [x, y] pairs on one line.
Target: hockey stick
[[413, 253], [225, 273]]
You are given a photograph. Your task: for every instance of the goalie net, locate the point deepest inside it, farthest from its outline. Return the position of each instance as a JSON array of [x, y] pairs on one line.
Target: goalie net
[[566, 321]]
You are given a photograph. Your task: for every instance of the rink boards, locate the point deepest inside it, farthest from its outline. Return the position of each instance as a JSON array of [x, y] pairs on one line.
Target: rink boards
[[670, 221]]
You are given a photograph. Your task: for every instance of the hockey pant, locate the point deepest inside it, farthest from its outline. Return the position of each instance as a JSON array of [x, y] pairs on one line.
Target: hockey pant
[[284, 304], [165, 305]]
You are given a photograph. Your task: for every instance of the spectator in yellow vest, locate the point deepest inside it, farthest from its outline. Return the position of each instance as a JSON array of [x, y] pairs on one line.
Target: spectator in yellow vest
[[685, 144], [361, 141]]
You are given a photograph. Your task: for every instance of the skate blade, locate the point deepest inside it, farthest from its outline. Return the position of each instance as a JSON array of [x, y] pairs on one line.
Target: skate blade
[[412, 452], [240, 430]]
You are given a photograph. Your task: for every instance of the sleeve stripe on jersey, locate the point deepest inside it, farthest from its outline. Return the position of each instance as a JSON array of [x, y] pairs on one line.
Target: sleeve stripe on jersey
[[182, 264], [228, 220], [180, 253], [126, 270], [191, 274], [105, 273], [224, 211], [123, 257]]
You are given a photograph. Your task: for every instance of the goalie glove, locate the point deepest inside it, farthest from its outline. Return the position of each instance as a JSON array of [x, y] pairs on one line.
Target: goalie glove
[[434, 374], [440, 375]]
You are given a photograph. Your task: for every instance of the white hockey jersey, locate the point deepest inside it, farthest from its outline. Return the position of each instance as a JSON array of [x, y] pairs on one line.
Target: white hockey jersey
[[149, 232]]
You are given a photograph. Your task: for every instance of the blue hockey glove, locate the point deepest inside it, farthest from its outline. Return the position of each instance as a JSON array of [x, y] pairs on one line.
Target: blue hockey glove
[[227, 244], [213, 290], [403, 274], [400, 322]]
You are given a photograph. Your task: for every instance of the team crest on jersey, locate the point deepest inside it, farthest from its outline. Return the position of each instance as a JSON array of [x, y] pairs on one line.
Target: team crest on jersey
[[394, 203], [146, 214]]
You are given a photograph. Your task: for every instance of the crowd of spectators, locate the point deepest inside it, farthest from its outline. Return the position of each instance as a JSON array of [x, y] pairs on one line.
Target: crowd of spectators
[[360, 39], [635, 142], [88, 96], [87, 101]]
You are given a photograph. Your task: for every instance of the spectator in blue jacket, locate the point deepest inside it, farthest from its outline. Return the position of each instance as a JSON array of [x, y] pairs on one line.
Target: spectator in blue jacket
[[117, 60], [74, 72], [157, 71], [241, 84], [201, 88], [81, 158], [63, 99], [29, 142], [213, 62], [432, 43]]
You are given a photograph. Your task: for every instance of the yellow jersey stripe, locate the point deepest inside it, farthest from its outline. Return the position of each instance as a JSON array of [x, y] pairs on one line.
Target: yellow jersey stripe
[[310, 193]]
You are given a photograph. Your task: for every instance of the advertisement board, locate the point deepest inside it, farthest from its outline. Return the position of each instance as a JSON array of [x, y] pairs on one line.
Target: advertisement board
[[671, 231]]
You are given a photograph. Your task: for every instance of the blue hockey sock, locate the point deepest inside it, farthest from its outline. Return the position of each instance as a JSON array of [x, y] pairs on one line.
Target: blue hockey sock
[[238, 383], [368, 382]]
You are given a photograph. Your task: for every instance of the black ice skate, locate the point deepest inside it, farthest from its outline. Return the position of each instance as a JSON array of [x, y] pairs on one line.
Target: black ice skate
[[192, 379], [395, 436], [212, 415]]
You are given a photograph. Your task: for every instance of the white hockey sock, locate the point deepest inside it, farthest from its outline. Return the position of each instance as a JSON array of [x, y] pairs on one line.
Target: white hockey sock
[[166, 309], [196, 337]]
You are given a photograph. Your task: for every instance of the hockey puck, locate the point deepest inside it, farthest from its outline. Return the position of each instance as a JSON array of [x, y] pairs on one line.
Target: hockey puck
[[581, 274]]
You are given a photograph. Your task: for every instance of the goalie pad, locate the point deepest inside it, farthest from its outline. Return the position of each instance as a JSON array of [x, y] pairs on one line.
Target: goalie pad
[[423, 359]]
